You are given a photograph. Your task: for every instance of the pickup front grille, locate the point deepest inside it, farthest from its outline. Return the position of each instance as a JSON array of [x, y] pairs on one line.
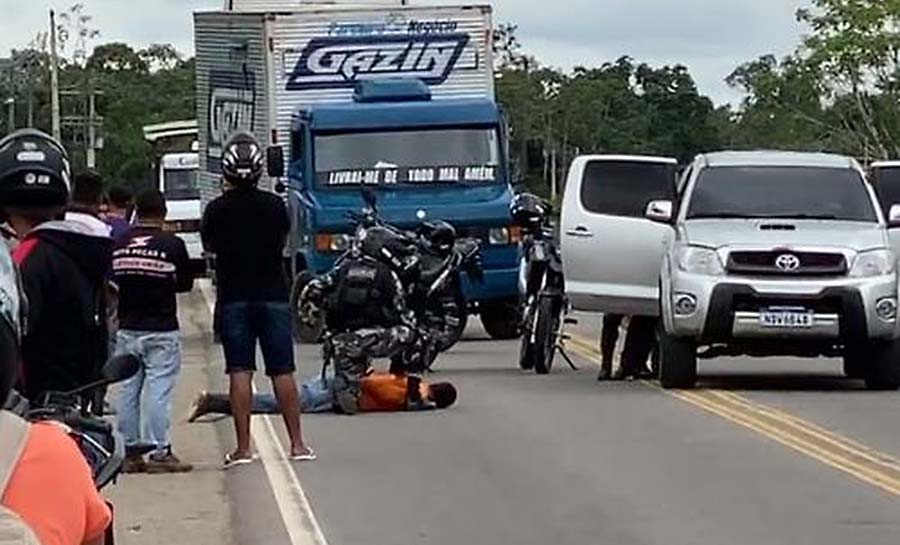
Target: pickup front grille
[[772, 263]]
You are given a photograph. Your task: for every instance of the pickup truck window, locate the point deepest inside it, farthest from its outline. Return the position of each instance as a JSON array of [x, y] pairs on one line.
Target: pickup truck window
[[781, 192], [625, 188], [414, 157], [887, 185]]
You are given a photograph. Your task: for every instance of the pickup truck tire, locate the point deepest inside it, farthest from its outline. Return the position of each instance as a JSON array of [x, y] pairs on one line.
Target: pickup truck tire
[[677, 362], [882, 372], [303, 333], [501, 319]]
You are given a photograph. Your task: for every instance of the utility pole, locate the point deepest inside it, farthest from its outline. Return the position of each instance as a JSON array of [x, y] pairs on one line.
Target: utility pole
[[54, 79], [92, 130], [11, 120]]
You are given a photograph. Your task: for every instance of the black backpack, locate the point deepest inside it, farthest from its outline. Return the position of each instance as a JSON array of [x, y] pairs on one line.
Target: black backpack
[[364, 296]]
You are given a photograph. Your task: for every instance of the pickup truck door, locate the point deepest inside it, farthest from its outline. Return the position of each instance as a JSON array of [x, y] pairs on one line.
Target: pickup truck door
[[885, 178], [612, 254]]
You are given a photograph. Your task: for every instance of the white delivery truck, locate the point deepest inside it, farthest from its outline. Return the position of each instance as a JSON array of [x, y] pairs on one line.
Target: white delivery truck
[[178, 182], [382, 94]]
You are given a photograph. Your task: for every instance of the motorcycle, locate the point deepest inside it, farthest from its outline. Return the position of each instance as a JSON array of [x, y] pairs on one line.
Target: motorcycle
[[100, 444], [542, 287], [434, 260]]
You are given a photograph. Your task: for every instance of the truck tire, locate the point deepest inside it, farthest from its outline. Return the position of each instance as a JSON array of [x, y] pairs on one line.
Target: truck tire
[[883, 370], [502, 320], [303, 333], [677, 362]]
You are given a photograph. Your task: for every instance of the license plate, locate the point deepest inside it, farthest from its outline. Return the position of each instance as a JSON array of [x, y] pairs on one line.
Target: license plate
[[786, 318]]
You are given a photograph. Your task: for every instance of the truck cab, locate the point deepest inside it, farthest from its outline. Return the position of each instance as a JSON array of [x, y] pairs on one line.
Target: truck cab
[[178, 182], [426, 160]]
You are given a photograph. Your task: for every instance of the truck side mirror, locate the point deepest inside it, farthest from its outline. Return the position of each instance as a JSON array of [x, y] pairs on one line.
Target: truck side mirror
[[894, 216], [660, 211], [275, 161]]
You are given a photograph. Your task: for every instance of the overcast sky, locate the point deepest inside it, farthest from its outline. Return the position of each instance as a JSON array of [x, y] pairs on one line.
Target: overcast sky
[[711, 37]]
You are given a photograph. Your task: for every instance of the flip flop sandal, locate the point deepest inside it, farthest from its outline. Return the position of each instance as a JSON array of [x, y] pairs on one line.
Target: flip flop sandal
[[307, 456], [231, 461]]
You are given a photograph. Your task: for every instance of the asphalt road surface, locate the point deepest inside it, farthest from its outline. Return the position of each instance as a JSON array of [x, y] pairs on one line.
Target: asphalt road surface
[[772, 451]]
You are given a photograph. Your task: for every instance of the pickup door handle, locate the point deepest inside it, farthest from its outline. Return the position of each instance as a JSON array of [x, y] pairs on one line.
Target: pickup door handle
[[580, 231]]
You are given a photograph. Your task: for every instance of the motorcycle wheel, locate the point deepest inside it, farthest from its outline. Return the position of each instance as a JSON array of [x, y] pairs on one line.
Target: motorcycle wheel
[[546, 326], [526, 347], [456, 308], [303, 333]]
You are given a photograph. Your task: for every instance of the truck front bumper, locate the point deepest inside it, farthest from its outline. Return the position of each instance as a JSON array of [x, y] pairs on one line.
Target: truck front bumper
[[844, 310]]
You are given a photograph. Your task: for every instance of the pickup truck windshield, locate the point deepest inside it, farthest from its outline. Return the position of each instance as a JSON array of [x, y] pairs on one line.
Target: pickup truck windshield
[[781, 192], [181, 185], [408, 157]]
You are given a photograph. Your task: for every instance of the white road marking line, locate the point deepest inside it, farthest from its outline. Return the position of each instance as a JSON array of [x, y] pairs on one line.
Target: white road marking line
[[296, 512]]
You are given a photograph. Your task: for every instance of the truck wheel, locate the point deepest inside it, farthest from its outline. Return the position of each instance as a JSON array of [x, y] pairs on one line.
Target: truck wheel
[[677, 362], [883, 370], [501, 320], [303, 333]]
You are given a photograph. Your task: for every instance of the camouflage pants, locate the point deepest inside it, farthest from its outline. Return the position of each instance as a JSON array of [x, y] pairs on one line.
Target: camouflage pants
[[352, 354]]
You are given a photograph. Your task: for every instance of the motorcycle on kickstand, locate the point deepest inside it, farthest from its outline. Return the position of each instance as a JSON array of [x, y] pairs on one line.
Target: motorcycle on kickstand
[[97, 439], [542, 287]]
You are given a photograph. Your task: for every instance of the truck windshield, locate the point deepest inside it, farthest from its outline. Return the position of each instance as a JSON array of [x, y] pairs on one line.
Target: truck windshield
[[408, 157], [181, 185], [781, 192]]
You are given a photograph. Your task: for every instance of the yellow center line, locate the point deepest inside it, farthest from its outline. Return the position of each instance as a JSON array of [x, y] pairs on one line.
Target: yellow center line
[[847, 455]]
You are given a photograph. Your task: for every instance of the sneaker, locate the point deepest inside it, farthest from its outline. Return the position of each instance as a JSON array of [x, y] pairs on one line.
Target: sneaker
[[134, 464], [200, 407], [167, 463]]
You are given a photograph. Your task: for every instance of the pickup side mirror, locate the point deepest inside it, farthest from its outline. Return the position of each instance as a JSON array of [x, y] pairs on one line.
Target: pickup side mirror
[[894, 216], [660, 211], [275, 161]]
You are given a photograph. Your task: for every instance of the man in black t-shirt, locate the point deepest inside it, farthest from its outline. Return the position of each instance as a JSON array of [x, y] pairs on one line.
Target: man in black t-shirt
[[246, 229], [150, 267]]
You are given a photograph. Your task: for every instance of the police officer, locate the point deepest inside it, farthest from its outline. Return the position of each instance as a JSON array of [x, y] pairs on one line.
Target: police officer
[[367, 317]]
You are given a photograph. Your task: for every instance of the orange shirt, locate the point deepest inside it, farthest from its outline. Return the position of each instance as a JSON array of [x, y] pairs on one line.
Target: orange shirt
[[53, 491], [383, 392]]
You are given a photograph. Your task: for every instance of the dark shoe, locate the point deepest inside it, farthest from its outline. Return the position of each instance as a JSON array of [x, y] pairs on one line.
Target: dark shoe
[[605, 374], [167, 463], [645, 374], [134, 464], [199, 408], [620, 374], [347, 402]]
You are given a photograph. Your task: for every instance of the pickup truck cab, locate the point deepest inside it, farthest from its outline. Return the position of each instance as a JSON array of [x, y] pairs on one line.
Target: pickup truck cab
[[771, 253]]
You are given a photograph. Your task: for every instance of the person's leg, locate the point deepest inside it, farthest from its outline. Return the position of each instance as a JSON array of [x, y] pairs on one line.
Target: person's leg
[[239, 346], [609, 336], [274, 323], [351, 360], [163, 356], [638, 345], [128, 411]]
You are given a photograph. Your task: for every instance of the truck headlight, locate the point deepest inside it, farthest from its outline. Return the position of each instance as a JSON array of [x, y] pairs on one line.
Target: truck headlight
[[874, 263], [698, 260]]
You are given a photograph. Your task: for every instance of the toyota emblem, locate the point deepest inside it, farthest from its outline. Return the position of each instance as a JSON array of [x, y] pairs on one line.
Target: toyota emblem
[[787, 263]]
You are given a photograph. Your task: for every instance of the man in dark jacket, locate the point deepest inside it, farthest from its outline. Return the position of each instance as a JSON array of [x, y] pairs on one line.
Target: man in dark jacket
[[63, 263]]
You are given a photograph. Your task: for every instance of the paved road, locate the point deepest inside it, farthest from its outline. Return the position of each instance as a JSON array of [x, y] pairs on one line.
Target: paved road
[[770, 452]]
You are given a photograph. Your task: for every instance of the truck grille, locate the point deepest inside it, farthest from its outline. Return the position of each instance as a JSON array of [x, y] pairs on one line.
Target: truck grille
[[781, 263]]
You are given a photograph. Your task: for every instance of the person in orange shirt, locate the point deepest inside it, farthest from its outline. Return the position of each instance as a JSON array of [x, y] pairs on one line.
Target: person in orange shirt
[[49, 484], [380, 392]]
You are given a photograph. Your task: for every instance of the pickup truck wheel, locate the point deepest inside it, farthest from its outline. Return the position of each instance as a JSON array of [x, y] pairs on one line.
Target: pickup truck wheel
[[501, 320], [303, 333], [677, 362], [882, 373]]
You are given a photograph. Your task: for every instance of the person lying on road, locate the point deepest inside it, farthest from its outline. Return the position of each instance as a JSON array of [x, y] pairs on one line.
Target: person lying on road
[[381, 392]]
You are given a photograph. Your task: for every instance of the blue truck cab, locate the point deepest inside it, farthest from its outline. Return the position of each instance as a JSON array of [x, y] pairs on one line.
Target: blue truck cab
[[426, 159]]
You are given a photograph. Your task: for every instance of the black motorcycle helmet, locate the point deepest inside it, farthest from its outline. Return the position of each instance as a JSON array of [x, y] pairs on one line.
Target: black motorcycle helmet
[[243, 161], [528, 211], [34, 170], [441, 235], [388, 247], [11, 320]]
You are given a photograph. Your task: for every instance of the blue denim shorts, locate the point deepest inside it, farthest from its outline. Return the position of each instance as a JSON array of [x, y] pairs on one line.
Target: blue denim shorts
[[269, 323]]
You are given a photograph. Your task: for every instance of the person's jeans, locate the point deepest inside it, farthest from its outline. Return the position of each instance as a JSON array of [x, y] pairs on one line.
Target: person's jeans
[[150, 391]]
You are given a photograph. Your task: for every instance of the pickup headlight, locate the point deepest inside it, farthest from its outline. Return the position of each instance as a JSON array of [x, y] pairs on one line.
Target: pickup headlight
[[698, 260], [874, 263]]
